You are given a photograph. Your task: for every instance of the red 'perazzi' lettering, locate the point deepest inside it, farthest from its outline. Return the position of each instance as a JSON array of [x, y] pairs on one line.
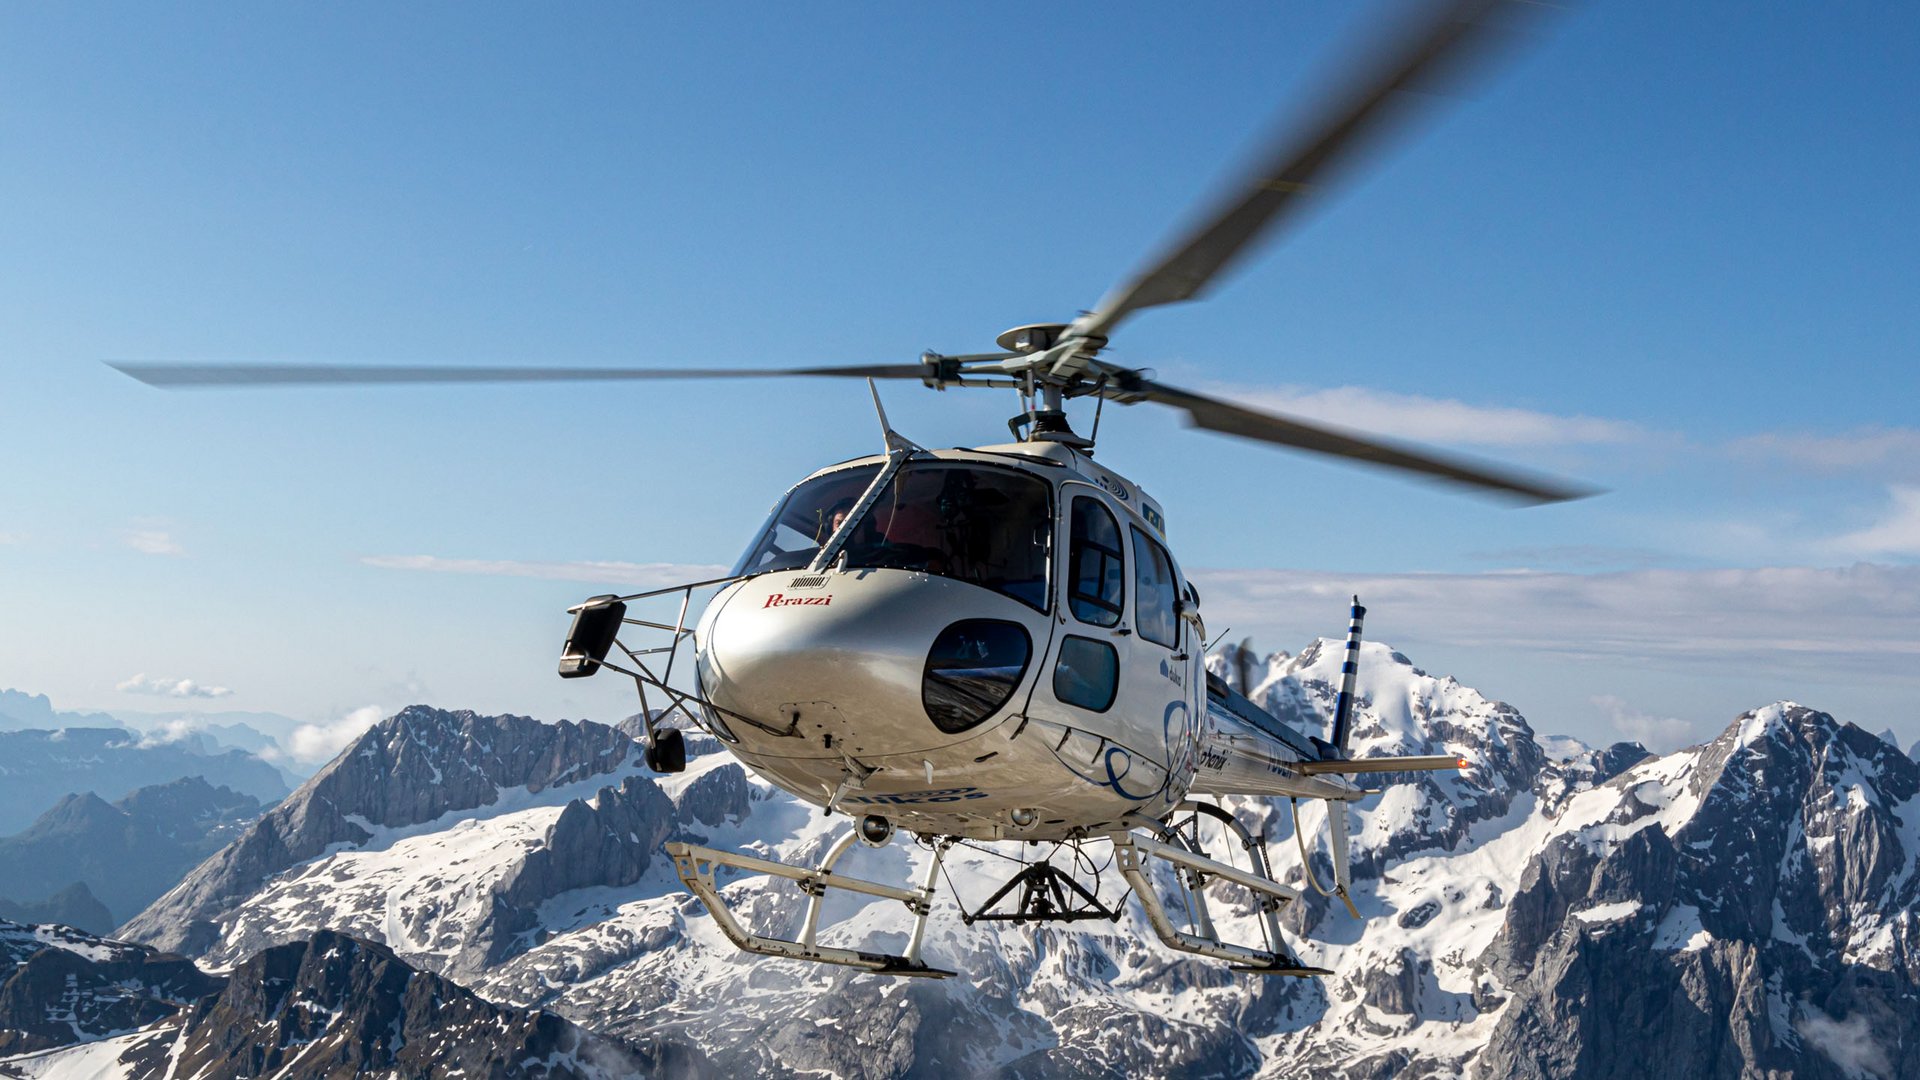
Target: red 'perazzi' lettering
[[783, 600]]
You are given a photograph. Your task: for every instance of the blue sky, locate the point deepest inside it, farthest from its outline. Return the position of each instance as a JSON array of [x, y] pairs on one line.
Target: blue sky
[[1670, 249]]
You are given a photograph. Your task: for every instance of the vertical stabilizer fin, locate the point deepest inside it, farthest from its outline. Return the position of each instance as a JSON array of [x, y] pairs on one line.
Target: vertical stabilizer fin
[[1349, 669]]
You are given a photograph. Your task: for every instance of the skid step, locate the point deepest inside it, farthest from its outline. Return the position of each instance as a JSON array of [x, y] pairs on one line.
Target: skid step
[[1279, 969]]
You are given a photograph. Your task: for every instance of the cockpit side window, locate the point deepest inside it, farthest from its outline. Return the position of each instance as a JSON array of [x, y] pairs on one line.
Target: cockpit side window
[[803, 521], [1155, 592], [1096, 581]]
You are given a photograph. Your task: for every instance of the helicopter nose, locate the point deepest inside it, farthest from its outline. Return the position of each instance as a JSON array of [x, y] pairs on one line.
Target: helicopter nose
[[870, 662]]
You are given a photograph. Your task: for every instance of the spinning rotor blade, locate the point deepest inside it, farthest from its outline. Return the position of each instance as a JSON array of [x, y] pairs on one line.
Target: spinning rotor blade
[[1230, 419], [194, 376], [1294, 166]]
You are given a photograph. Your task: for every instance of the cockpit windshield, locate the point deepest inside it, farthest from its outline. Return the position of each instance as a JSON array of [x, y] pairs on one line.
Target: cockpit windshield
[[803, 521], [988, 526]]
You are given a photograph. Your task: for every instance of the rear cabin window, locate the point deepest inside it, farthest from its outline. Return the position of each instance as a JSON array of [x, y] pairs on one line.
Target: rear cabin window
[[1155, 592], [1096, 582], [1087, 674]]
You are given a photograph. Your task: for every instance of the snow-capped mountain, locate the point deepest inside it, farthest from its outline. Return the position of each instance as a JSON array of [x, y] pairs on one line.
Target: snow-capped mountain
[[329, 1006], [1740, 908], [59, 986]]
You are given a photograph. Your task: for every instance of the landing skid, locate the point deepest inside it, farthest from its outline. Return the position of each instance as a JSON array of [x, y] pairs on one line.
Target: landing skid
[[1196, 872], [695, 865], [1040, 892]]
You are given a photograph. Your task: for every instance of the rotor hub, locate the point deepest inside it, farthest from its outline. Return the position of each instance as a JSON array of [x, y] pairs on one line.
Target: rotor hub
[[1031, 338]]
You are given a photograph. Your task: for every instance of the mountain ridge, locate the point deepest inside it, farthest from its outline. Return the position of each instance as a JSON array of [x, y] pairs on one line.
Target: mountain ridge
[[1513, 909]]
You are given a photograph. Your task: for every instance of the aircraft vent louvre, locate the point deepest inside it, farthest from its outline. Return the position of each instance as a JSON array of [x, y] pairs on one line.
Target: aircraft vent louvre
[[808, 581]]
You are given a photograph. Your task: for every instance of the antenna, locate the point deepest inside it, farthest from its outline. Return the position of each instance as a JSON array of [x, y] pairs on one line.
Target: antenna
[[894, 440]]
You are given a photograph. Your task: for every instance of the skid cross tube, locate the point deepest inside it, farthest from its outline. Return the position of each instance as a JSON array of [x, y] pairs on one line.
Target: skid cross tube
[[695, 866], [1044, 897]]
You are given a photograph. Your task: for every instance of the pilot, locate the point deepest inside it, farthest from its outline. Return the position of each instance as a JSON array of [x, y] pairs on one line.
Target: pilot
[[837, 516]]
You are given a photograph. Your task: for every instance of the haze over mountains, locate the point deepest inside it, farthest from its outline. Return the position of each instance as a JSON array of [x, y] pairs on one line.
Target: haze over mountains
[[97, 818], [263, 734], [91, 864], [1747, 906], [39, 768]]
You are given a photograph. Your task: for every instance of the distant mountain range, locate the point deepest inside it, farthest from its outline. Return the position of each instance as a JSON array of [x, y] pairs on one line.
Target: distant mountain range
[[19, 710], [39, 767], [74, 905], [1749, 907], [86, 860], [262, 734]]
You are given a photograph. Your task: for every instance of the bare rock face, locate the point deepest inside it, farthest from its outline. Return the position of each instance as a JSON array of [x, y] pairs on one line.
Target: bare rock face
[[417, 766], [59, 987], [338, 1006], [329, 1006], [1745, 908], [718, 796], [1736, 940], [607, 842]]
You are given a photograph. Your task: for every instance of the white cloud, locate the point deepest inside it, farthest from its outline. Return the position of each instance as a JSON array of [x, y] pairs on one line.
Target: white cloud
[[1427, 419], [1661, 734], [172, 730], [314, 744], [164, 687], [1867, 448], [641, 575], [1850, 1043], [152, 542], [1862, 617], [1896, 534]]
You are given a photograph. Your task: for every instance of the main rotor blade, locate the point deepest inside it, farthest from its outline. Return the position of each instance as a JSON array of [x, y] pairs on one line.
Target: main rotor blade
[[1294, 166], [1227, 418], [198, 376]]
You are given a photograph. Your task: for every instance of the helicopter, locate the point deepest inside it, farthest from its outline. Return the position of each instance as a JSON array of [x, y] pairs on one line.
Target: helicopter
[[996, 643]]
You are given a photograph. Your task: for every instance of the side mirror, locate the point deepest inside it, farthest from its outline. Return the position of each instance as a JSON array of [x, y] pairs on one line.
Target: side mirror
[[595, 626], [1190, 611]]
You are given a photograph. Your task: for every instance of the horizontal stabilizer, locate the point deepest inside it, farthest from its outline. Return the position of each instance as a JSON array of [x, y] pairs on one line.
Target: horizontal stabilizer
[[1382, 764]]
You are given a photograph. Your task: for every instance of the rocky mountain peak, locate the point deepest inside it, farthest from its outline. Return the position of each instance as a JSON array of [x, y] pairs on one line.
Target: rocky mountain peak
[[60, 986], [1722, 910], [1766, 878], [188, 798], [82, 811], [418, 766], [328, 1006], [459, 760], [338, 1005]]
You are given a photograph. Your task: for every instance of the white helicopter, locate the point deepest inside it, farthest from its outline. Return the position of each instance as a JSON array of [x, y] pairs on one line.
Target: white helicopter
[[997, 644]]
